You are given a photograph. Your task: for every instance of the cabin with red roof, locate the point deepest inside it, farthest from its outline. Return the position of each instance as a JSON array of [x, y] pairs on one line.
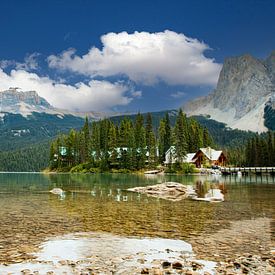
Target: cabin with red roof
[[203, 157]]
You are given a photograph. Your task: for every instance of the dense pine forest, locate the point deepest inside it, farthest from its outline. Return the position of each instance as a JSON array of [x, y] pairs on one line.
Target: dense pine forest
[[258, 151], [129, 145], [32, 158], [30, 152]]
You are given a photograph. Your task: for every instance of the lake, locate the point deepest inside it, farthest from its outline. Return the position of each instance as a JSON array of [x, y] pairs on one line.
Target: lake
[[99, 204]]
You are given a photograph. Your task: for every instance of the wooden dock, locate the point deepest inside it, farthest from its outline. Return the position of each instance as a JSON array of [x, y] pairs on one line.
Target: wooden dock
[[152, 172], [247, 170]]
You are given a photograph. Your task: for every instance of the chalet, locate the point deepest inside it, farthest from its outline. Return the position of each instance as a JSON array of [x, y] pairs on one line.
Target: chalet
[[208, 156], [203, 157], [170, 156]]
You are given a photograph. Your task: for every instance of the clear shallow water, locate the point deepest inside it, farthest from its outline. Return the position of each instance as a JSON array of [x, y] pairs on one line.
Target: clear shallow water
[[100, 203]]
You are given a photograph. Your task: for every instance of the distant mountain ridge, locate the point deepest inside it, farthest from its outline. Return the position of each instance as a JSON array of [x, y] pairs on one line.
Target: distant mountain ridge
[[25, 103], [15, 101], [245, 88], [27, 118]]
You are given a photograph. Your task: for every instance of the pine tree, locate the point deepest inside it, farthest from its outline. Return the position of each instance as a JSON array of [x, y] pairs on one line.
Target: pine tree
[[95, 141], [140, 143], [85, 141], [53, 152], [150, 141], [161, 141], [164, 137], [112, 143], [180, 137]]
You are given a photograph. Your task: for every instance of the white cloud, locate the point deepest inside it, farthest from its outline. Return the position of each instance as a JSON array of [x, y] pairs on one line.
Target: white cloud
[[178, 94], [6, 63], [30, 63], [94, 96], [145, 58]]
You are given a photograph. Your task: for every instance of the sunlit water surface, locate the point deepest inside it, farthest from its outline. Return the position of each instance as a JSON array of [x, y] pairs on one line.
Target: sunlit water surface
[[100, 203]]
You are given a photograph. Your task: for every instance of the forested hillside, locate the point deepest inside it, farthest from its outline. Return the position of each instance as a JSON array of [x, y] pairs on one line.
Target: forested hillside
[[106, 145], [258, 151], [33, 158], [223, 136], [24, 142], [269, 115], [17, 131]]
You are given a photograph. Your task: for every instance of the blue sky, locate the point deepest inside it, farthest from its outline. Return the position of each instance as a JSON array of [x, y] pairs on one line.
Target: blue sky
[[127, 55]]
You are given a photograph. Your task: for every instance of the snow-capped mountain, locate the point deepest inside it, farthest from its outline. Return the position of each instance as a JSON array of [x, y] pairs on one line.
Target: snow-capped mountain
[[244, 97], [26, 103], [26, 118]]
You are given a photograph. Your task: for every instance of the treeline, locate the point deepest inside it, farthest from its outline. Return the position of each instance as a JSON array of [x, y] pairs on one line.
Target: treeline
[[30, 159], [105, 145], [259, 151], [224, 136]]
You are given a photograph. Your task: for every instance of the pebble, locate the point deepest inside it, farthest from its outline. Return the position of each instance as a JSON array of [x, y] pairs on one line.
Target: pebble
[[144, 271], [177, 265]]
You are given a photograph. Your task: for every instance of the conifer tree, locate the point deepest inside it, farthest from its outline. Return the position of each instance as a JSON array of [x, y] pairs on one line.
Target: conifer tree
[[85, 140], [112, 143], [140, 143], [150, 141], [95, 141], [180, 137], [161, 141], [164, 137]]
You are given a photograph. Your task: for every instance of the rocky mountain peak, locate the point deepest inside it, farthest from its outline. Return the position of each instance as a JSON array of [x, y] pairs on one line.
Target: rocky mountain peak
[[242, 81], [14, 96], [245, 85], [14, 100], [270, 64]]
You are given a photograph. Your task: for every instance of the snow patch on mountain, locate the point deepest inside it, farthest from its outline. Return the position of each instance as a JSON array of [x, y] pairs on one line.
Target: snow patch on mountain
[[245, 86], [27, 102]]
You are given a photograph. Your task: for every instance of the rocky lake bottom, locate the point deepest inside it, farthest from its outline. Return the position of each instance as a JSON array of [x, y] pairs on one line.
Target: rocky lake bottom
[[97, 227]]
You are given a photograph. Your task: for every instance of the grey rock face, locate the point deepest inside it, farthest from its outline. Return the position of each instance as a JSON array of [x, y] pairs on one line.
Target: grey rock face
[[242, 82], [270, 64], [11, 98], [245, 84]]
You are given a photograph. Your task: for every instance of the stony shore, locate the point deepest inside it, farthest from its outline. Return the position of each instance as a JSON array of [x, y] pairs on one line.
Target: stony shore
[[252, 264], [244, 248], [240, 246]]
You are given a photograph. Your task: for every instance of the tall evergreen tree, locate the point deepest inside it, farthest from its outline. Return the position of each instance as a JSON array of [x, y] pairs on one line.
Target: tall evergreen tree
[[140, 142], [180, 136], [150, 141], [164, 137], [85, 141]]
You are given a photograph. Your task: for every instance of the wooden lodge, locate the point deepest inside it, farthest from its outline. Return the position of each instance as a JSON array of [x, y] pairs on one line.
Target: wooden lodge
[[203, 157], [208, 156]]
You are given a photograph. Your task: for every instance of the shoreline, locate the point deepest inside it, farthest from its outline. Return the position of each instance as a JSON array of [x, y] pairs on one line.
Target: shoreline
[[249, 251]]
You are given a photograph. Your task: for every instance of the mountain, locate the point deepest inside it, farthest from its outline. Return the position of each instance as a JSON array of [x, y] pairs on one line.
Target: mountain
[[26, 103], [26, 118], [244, 97], [14, 101], [223, 136]]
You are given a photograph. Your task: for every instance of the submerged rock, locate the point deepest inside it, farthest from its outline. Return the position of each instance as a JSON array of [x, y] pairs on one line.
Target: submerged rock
[[169, 191], [57, 191], [174, 191]]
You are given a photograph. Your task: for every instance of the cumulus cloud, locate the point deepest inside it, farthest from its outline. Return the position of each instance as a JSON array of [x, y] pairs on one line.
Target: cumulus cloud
[[30, 63], [145, 58], [6, 63], [94, 96]]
